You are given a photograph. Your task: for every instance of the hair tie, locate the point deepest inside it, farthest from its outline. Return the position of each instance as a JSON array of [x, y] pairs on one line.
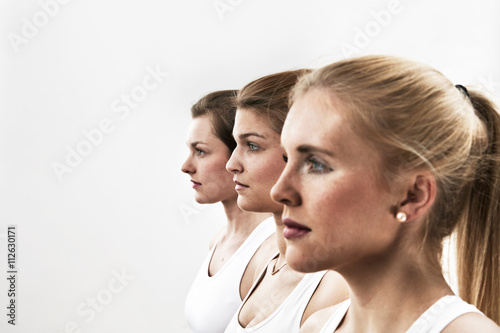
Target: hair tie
[[463, 90]]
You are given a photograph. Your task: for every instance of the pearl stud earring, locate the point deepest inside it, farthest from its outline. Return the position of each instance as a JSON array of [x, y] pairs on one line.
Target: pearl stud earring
[[401, 217]]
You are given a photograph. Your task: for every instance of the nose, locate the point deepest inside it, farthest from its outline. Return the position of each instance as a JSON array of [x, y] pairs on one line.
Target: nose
[[188, 166], [234, 165], [285, 190]]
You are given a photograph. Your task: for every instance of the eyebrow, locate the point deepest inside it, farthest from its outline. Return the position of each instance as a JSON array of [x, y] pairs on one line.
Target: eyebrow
[[309, 149], [246, 135], [194, 144]]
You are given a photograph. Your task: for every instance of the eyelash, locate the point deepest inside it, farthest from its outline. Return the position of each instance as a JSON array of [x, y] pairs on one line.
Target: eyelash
[[252, 146], [199, 152], [285, 158], [311, 161]]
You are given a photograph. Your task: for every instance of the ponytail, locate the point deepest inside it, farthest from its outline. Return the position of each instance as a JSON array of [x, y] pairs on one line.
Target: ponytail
[[478, 233]]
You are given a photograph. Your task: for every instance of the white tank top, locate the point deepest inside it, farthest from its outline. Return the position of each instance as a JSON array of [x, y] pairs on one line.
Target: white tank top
[[213, 300], [433, 320], [287, 317]]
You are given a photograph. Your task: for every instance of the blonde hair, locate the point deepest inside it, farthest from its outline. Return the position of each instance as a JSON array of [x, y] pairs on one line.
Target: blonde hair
[[269, 96], [419, 120]]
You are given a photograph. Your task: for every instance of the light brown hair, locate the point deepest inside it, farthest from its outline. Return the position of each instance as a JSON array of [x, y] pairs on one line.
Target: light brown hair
[[269, 96], [419, 120]]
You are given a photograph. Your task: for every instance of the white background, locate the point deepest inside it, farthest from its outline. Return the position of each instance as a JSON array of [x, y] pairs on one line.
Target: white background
[[127, 206]]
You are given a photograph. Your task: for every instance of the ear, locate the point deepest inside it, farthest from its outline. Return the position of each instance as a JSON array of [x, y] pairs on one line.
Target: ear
[[420, 195]]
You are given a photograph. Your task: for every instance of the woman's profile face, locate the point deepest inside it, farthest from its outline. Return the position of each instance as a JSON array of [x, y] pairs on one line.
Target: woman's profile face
[[206, 163], [256, 163], [337, 211]]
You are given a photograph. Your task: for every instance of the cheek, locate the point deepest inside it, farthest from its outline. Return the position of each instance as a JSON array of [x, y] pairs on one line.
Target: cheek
[[269, 171], [347, 202], [219, 166], [216, 170]]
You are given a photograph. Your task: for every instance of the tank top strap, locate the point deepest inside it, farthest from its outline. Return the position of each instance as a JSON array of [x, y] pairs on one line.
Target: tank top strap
[[441, 314], [261, 232], [310, 283], [333, 323], [259, 279], [240, 259], [212, 300], [433, 320], [287, 316]]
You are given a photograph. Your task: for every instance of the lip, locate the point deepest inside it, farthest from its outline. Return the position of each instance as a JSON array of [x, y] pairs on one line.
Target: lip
[[294, 229], [240, 186], [195, 184]]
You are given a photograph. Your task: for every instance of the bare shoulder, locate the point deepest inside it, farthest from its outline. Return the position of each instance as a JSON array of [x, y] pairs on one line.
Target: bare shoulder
[[268, 248], [317, 320], [332, 287], [216, 237], [331, 291], [472, 322]]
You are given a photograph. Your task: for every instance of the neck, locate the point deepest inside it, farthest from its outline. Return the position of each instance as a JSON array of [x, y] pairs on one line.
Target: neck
[[398, 292], [240, 221]]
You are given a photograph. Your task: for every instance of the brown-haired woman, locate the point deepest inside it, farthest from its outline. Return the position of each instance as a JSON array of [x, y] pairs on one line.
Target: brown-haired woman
[[386, 157], [282, 299], [245, 243]]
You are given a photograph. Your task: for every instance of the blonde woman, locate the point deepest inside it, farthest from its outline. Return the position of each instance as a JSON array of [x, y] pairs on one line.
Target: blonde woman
[[386, 157]]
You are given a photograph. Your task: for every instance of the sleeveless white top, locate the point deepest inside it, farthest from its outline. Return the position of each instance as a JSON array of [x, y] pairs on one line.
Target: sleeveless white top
[[287, 317], [433, 320], [213, 300]]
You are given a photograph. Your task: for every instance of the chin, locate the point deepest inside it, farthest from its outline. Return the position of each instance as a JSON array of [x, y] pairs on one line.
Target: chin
[[247, 205], [301, 262], [258, 206], [201, 199]]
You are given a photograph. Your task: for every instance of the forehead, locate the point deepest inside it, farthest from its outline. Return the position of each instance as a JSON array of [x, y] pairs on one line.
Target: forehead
[[315, 118], [250, 121], [200, 129], [319, 119]]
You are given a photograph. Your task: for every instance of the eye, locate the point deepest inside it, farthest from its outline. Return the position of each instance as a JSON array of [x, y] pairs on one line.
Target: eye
[[317, 167], [285, 158], [252, 146], [199, 152]]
